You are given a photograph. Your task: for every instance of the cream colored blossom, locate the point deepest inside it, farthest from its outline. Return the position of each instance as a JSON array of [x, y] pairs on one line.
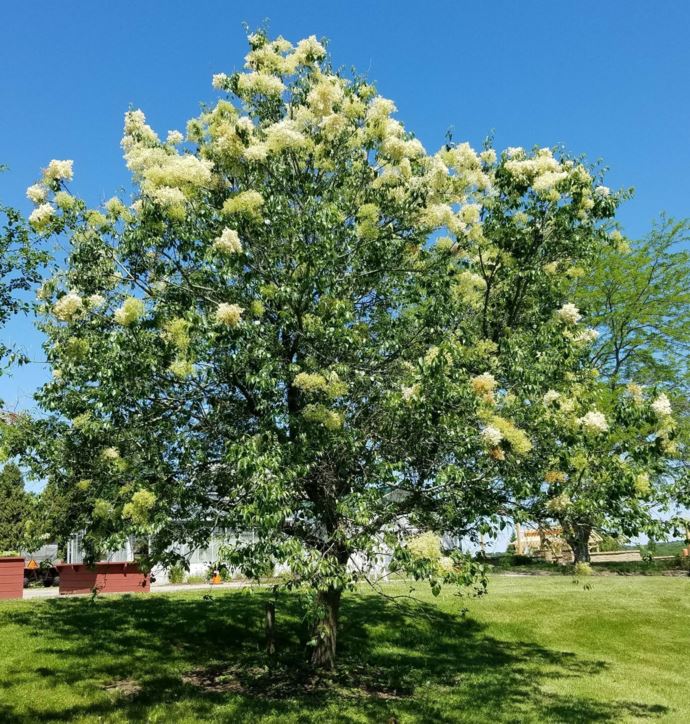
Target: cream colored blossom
[[550, 397], [228, 314], [586, 336], [484, 386], [266, 84], [68, 307], [65, 201], [95, 301], [169, 196], [136, 128], [325, 95], [662, 406], [488, 156], [636, 392], [115, 207], [491, 435], [220, 81], [58, 171], [411, 393], [470, 287], [181, 368], [228, 243], [110, 454], [594, 421], [284, 135], [41, 216], [174, 138], [569, 314], [248, 203], [131, 311], [558, 504], [37, 193], [308, 51]]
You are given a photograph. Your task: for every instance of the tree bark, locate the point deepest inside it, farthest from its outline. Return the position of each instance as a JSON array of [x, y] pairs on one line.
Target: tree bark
[[578, 540], [270, 628], [326, 629]]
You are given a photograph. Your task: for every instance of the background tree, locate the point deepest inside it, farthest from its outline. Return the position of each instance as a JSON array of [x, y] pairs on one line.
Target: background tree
[[20, 269], [639, 300], [605, 458], [15, 508], [638, 297], [305, 326]]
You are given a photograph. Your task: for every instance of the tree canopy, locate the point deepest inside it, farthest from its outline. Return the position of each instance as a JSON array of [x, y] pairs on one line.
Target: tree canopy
[[307, 326]]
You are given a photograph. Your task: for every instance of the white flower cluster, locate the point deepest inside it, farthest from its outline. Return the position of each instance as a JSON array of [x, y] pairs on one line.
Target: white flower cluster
[[492, 435], [41, 216], [37, 193], [167, 176], [543, 172], [411, 393], [594, 421], [325, 95], [229, 314], [68, 306], [132, 310], [278, 56], [483, 386], [550, 397], [174, 138], [257, 83], [284, 135], [228, 243], [662, 406], [569, 313], [58, 171], [586, 336]]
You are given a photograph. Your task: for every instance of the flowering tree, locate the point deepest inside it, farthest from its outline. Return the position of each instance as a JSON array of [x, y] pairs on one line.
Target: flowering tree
[[640, 300], [304, 325], [604, 458], [602, 453], [20, 264]]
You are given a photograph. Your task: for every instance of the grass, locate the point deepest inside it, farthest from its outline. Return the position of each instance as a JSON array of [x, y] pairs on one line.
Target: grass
[[535, 566], [536, 649], [665, 548]]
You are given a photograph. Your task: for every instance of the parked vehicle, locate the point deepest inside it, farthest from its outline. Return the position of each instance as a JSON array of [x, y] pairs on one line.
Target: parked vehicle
[[40, 566]]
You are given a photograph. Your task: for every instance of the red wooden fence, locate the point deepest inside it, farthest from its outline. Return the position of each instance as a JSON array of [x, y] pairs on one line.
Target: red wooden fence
[[11, 577], [105, 577]]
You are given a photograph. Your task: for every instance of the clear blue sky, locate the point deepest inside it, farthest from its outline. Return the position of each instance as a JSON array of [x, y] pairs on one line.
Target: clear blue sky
[[608, 79]]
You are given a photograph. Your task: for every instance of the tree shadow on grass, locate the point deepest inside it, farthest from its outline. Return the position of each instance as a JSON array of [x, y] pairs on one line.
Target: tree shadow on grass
[[199, 659]]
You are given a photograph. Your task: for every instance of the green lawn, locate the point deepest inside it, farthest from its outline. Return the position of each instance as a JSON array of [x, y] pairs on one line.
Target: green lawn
[[536, 649]]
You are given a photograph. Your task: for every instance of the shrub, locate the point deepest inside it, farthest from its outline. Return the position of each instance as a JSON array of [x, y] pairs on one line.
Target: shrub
[[583, 569], [176, 574]]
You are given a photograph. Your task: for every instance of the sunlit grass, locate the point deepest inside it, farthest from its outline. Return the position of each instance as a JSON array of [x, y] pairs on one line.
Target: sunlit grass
[[536, 649]]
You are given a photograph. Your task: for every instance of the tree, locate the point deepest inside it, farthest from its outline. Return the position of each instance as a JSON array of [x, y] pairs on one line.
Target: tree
[[605, 459], [305, 326], [20, 270], [638, 297], [15, 508], [640, 302]]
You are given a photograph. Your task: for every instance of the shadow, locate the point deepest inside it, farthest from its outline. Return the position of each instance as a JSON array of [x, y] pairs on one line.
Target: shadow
[[193, 658]]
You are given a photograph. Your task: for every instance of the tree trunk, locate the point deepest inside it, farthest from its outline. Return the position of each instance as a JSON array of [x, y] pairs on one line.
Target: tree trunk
[[271, 628], [579, 542], [326, 629]]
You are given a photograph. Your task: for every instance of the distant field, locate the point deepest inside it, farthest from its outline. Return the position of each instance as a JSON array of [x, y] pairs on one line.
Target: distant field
[[667, 548], [536, 649]]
